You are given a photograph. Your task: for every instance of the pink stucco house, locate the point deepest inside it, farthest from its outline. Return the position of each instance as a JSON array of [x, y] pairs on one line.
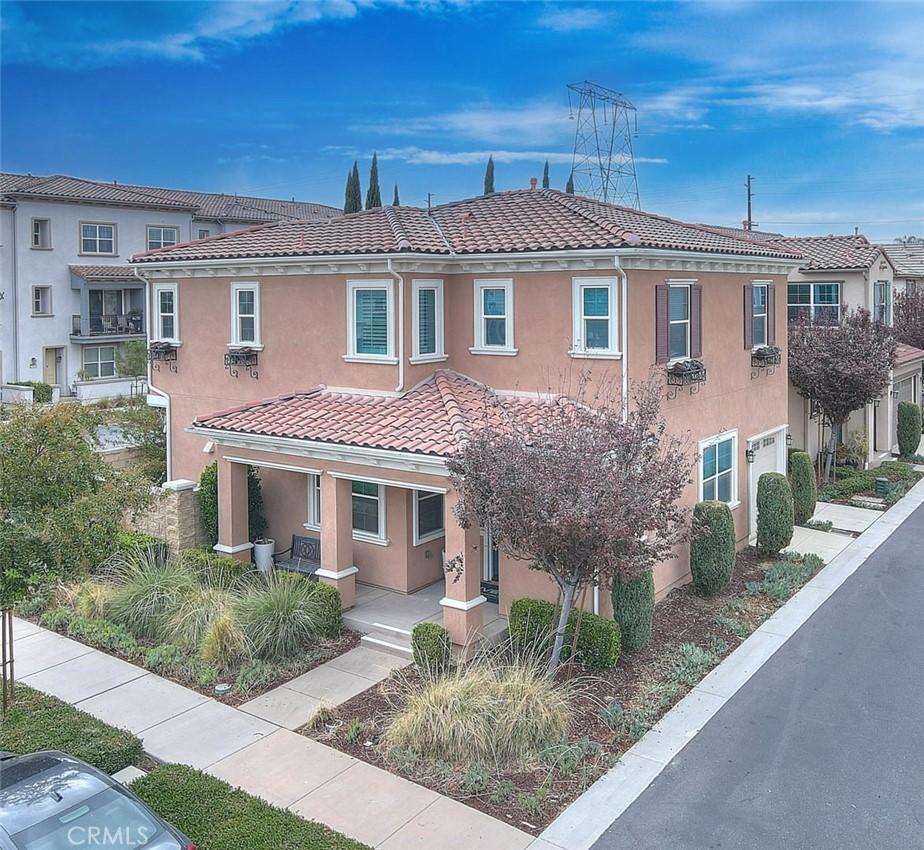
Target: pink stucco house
[[346, 358]]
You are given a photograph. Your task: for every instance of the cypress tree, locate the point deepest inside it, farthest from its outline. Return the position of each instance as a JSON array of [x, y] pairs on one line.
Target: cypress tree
[[489, 177], [545, 175], [397, 201], [353, 201], [374, 195], [570, 187]]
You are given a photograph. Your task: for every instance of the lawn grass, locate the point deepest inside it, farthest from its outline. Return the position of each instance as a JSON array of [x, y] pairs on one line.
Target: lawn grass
[[216, 816], [38, 721]]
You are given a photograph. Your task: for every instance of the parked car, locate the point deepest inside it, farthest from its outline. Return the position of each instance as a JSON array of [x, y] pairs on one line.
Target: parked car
[[52, 801]]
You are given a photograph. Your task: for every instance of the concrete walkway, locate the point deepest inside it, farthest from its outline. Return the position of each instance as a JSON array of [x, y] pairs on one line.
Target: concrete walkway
[[829, 544], [741, 785], [257, 753]]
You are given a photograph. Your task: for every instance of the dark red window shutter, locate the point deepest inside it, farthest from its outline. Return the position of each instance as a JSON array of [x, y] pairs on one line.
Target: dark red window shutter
[[748, 316], [662, 324], [771, 314], [696, 321]]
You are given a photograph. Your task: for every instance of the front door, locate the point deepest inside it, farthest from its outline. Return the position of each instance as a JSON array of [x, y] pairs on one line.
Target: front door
[[50, 365], [490, 567], [766, 459]]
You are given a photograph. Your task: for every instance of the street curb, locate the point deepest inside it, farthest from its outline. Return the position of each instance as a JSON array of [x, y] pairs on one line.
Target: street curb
[[588, 817]]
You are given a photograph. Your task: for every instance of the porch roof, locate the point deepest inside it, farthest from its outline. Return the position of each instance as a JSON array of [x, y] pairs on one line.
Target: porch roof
[[112, 272], [430, 419], [905, 354]]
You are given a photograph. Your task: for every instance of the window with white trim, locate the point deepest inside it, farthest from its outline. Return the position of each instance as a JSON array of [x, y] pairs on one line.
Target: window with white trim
[[679, 321], [99, 362], [759, 314], [166, 324], [162, 237], [493, 317], [245, 314], [368, 511], [818, 302], [427, 320], [371, 320], [718, 468], [314, 502], [96, 238], [882, 301], [41, 300], [594, 317], [428, 516], [204, 233], [41, 233]]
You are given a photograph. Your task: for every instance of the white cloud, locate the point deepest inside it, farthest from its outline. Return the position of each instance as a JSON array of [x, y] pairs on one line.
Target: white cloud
[[421, 156], [574, 19]]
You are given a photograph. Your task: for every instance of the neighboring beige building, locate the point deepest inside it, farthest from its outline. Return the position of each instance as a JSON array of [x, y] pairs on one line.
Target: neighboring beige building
[[841, 272], [908, 261], [346, 359]]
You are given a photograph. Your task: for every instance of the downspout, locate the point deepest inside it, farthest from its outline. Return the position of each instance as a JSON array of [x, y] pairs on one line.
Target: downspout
[[400, 279], [151, 388], [15, 305]]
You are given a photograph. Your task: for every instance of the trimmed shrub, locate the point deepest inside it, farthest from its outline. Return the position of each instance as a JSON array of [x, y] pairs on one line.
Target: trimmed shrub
[[432, 647], [532, 624], [38, 721], [633, 609], [330, 608], [214, 569], [487, 711], [909, 428], [208, 501], [804, 488], [712, 547], [41, 392], [774, 512], [218, 817]]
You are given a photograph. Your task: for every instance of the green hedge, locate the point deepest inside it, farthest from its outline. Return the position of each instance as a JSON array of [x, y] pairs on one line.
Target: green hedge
[[41, 392], [131, 542], [633, 609], [909, 428], [712, 548], [38, 721], [851, 481], [432, 647], [212, 568], [804, 488], [774, 512], [332, 608], [216, 816], [208, 501], [533, 622]]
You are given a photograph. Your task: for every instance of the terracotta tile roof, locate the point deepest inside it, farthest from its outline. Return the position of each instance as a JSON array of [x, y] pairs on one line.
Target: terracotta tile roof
[[103, 272], [832, 252], [504, 222], [208, 205], [908, 258], [905, 354], [430, 419], [741, 233]]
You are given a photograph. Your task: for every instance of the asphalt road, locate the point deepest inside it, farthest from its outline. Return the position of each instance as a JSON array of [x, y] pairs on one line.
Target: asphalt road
[[824, 745]]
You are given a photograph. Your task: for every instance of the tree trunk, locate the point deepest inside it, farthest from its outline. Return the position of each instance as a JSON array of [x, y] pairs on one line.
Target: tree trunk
[[832, 448], [567, 603]]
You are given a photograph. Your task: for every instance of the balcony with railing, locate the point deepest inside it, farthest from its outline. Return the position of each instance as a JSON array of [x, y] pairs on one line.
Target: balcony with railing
[[113, 326]]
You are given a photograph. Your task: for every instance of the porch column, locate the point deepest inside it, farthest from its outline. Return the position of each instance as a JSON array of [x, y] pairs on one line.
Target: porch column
[[463, 614], [337, 568], [233, 532]]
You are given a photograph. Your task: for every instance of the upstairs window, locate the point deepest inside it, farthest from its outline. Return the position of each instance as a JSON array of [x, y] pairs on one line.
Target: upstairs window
[[759, 315], [816, 302], [594, 317], [204, 233], [245, 314], [165, 312], [370, 320], [427, 320], [41, 233], [41, 300], [678, 320], [162, 237], [493, 317], [97, 238], [882, 301]]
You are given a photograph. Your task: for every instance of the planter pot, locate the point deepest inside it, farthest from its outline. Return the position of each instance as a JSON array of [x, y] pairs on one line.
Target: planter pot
[[263, 555]]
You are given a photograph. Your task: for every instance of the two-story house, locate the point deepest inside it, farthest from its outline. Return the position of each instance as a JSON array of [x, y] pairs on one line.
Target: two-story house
[[908, 261], [346, 359], [69, 299], [840, 272]]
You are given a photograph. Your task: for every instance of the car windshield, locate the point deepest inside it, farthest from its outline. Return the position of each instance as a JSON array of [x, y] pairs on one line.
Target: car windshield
[[107, 820]]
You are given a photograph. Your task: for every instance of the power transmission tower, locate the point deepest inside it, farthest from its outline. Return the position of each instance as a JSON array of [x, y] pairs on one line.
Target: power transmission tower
[[603, 164]]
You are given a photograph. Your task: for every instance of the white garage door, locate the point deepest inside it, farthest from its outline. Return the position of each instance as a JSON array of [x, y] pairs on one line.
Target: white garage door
[[766, 459]]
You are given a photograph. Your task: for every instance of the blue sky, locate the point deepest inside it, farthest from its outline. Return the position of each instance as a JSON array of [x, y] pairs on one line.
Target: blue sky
[[823, 103]]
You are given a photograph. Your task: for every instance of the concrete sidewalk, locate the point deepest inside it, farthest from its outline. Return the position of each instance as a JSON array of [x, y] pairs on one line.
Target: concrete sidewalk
[[257, 753]]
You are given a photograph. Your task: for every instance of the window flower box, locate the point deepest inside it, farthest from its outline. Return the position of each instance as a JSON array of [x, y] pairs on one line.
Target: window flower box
[[685, 373], [765, 356]]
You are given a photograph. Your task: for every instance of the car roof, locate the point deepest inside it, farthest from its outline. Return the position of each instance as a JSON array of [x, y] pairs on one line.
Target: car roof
[[34, 787]]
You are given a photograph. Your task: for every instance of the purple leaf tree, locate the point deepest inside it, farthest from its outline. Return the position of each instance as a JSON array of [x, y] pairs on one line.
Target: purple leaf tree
[[908, 318], [580, 488]]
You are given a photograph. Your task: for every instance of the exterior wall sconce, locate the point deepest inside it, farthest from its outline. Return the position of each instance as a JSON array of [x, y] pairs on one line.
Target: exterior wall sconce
[[893, 393], [749, 455], [876, 402], [789, 439], [33, 363]]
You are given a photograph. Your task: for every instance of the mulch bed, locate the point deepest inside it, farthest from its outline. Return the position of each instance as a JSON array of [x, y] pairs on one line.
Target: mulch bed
[[682, 617]]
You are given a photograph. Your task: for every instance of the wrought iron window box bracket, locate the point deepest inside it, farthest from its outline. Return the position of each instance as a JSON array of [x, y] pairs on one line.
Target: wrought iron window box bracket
[[161, 352], [765, 360], [242, 357], [693, 378]]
